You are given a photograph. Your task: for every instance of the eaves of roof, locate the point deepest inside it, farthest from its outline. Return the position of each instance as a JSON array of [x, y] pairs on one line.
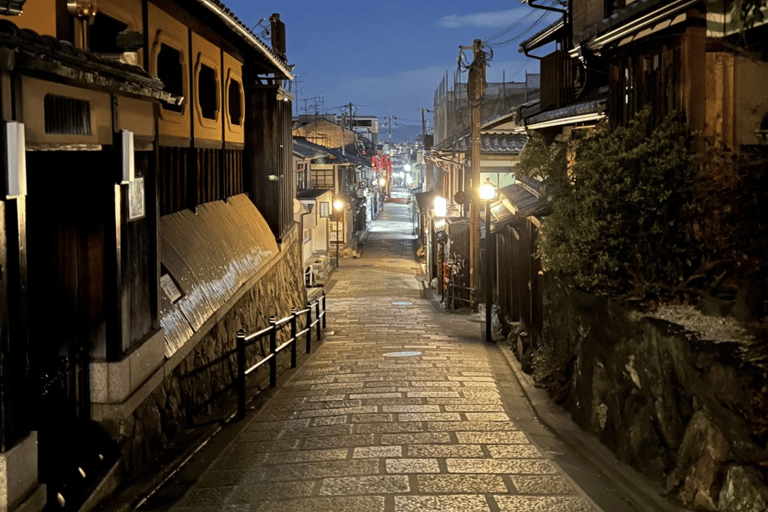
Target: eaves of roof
[[631, 18], [26, 51], [544, 36], [239, 28], [570, 113]]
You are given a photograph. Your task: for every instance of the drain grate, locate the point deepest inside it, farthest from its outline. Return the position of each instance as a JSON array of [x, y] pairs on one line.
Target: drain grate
[[402, 354]]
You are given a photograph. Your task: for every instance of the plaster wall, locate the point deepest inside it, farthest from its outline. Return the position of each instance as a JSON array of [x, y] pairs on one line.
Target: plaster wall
[[165, 29], [34, 113], [38, 15]]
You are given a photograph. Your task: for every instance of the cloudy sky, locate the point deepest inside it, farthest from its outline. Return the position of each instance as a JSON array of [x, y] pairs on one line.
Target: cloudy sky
[[388, 58]]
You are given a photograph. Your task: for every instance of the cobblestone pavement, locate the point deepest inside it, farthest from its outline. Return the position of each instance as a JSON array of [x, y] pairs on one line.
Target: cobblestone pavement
[[398, 410]]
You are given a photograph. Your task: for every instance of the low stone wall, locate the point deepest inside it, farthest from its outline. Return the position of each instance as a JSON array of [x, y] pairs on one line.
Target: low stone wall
[[689, 413], [174, 407]]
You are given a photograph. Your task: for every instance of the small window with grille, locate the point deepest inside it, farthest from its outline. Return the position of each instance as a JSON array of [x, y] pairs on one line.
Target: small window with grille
[[67, 116]]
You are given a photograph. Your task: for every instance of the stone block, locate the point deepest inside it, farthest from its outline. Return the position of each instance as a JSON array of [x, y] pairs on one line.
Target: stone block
[[18, 472], [743, 491]]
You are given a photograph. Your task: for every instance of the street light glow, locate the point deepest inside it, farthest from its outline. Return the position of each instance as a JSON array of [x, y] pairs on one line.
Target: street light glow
[[338, 204], [487, 191], [441, 206]]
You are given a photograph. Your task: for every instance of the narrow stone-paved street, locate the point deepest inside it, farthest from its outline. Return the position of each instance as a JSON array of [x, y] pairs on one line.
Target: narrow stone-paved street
[[398, 410]]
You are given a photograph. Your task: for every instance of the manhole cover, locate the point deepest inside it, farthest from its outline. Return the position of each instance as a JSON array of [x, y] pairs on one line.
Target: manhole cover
[[402, 354], [402, 303]]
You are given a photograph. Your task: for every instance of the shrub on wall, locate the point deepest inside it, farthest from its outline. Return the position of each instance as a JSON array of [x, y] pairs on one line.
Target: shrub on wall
[[619, 223]]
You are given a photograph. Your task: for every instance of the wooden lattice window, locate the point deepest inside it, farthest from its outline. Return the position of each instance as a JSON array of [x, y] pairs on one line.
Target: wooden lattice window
[[67, 116]]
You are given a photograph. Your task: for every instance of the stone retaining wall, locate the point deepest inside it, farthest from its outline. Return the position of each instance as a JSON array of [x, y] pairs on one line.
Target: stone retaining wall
[[167, 412], [689, 413]]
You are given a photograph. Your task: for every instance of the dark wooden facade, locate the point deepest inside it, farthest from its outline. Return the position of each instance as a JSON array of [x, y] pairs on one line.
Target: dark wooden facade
[[79, 251]]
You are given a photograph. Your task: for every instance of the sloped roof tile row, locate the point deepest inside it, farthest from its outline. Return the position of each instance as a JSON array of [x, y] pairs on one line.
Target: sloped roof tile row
[[48, 54]]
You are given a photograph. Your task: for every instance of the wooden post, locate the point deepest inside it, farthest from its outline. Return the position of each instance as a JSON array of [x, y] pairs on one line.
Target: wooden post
[[475, 94]]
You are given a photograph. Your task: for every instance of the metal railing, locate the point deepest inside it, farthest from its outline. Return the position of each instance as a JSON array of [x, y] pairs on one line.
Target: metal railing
[[453, 298], [244, 340]]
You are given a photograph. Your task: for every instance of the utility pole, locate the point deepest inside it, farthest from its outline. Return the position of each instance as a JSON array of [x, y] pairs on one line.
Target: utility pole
[[475, 92], [423, 123]]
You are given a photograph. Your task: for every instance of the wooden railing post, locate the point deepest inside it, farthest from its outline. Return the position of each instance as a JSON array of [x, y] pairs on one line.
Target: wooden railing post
[[241, 373]]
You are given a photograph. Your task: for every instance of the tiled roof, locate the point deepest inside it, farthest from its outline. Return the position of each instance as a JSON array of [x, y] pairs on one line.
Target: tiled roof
[[591, 106], [496, 143], [310, 150], [218, 7], [48, 55]]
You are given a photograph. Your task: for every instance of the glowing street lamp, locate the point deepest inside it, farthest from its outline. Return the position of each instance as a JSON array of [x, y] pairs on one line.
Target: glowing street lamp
[[488, 194], [441, 206]]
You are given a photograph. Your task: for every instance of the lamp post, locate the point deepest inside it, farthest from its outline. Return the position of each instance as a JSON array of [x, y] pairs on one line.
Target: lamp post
[[338, 207], [488, 194]]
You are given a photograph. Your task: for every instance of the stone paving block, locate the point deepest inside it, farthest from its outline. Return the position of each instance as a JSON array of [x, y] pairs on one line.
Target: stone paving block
[[369, 452], [388, 428], [543, 504], [445, 503], [501, 466], [492, 438], [336, 411], [445, 450], [338, 441], [496, 407], [513, 451], [419, 438], [373, 396], [254, 492], [306, 456], [411, 466], [328, 420], [433, 394], [330, 430], [476, 426], [461, 400], [364, 485], [540, 484], [315, 504], [314, 470], [452, 484], [429, 416], [487, 416], [410, 408]]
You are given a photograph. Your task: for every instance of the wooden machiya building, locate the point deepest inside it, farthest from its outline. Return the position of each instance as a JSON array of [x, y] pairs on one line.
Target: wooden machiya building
[[146, 215]]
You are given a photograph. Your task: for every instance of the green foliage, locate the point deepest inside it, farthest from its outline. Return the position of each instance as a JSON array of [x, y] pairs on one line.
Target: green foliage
[[538, 160], [618, 225]]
